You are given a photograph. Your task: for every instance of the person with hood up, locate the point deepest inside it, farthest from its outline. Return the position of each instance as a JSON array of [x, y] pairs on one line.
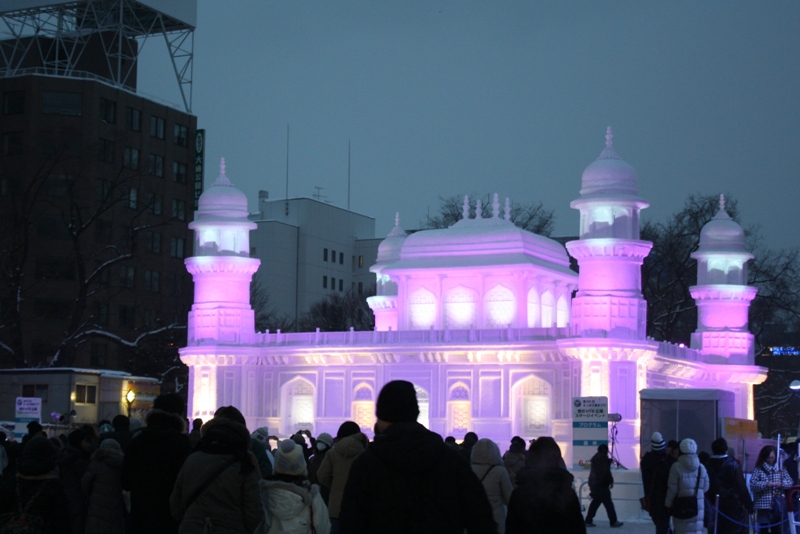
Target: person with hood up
[[488, 467], [322, 447], [37, 490], [600, 484], [217, 487], [408, 480], [103, 487], [294, 505], [335, 468], [655, 466], [72, 465], [514, 458], [726, 480], [544, 502], [151, 465], [683, 479]]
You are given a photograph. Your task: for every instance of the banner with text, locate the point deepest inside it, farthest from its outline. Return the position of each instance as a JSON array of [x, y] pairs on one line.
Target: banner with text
[[589, 428], [27, 409]]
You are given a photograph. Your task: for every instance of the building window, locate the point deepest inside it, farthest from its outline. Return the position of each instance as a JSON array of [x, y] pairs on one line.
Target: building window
[[176, 247], [325, 254], [126, 316], [156, 165], [154, 203], [181, 135], [54, 269], [157, 127], [341, 284], [12, 143], [58, 103], [106, 152], [85, 394], [130, 158], [360, 262], [360, 287], [35, 390], [153, 242], [13, 102], [101, 315], [341, 258], [131, 197], [179, 209], [127, 276], [333, 256], [98, 357], [324, 282], [333, 283], [179, 172], [133, 119], [151, 280], [108, 111]]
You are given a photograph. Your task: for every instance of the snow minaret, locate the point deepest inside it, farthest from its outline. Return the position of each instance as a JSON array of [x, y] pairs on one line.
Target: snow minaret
[[221, 267], [609, 301], [384, 303], [722, 294]]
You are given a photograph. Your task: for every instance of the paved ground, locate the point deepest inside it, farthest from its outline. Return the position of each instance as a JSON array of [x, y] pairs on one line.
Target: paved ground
[[629, 527]]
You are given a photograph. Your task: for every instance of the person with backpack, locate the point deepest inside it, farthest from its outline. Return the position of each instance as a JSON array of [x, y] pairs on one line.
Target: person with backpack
[[768, 484], [726, 480], [686, 488]]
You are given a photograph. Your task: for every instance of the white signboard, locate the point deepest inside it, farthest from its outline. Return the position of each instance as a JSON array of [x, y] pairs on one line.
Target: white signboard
[[27, 409], [589, 428]]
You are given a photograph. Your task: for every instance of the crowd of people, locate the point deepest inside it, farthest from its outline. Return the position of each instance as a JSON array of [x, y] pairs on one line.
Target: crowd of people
[[219, 477]]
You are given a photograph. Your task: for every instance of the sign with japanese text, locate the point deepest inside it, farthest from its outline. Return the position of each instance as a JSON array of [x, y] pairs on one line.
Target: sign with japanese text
[[27, 409], [589, 428]]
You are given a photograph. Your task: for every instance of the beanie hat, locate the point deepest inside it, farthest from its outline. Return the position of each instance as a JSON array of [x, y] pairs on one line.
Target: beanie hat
[[105, 428], [110, 444], [289, 459], [261, 435], [657, 442], [299, 439], [397, 403], [688, 446], [326, 440], [348, 428], [38, 457], [170, 402]]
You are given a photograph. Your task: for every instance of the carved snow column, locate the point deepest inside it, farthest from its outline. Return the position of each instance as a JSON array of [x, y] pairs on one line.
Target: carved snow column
[[384, 303], [722, 294]]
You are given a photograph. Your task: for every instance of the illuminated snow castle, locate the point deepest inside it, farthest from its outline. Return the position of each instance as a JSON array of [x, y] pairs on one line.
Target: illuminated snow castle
[[481, 317]]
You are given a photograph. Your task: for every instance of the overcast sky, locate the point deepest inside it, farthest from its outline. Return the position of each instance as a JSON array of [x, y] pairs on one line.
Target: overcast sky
[[452, 98]]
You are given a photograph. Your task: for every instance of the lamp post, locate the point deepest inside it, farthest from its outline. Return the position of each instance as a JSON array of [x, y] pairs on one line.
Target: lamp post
[[130, 396]]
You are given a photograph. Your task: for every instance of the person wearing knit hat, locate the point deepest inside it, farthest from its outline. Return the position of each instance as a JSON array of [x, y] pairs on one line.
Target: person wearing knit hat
[[655, 466], [293, 503], [335, 468], [688, 478], [348, 428], [385, 480]]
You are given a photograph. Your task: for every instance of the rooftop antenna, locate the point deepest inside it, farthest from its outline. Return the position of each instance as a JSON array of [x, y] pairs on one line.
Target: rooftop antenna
[[348, 175], [287, 171]]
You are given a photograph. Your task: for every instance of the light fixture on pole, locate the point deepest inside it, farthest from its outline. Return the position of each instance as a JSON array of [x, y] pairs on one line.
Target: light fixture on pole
[[130, 396], [795, 385]]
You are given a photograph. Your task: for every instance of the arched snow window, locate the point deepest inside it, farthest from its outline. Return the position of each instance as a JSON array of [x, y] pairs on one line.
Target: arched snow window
[[460, 308], [500, 307], [534, 308], [297, 406], [532, 405], [459, 410], [548, 303], [363, 408], [422, 309], [562, 312]]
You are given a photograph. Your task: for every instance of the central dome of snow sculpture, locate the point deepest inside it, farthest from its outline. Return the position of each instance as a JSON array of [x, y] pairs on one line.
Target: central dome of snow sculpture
[[222, 199], [609, 174], [722, 234]]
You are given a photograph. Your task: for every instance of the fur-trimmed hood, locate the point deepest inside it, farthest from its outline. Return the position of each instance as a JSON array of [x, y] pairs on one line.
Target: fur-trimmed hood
[[108, 456], [286, 500]]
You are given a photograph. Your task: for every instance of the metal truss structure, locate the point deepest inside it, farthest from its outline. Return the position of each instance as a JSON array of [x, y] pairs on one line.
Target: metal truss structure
[[58, 33]]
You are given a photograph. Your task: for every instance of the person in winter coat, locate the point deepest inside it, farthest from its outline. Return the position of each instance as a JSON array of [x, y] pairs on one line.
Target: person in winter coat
[[335, 468], [683, 479], [470, 439], [655, 466], [294, 505], [151, 465], [72, 465], [36, 489], [514, 458], [322, 447], [102, 484], [600, 484], [545, 501], [488, 467], [726, 480], [233, 413], [408, 480], [217, 487], [768, 483]]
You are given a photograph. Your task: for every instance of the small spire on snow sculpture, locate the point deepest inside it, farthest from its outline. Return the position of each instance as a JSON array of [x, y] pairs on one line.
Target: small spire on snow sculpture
[[495, 206], [722, 213], [465, 208], [721, 202], [609, 137], [508, 209], [222, 179], [397, 231], [397, 218], [478, 209], [608, 152]]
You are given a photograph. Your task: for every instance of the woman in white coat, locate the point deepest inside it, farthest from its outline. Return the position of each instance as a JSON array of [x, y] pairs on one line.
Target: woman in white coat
[[683, 478], [487, 464]]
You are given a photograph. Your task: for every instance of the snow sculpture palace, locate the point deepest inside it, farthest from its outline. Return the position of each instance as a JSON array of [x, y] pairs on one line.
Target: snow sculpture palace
[[481, 317]]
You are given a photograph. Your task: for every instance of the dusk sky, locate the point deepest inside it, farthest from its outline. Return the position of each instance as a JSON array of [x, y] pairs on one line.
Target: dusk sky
[[453, 98]]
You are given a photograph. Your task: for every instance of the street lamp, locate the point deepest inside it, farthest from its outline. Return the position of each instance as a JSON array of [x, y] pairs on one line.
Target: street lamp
[[130, 396], [795, 385]]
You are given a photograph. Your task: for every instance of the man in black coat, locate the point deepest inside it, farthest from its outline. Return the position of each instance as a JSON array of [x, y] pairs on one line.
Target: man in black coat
[[726, 480], [600, 484], [655, 467], [408, 480], [152, 462]]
